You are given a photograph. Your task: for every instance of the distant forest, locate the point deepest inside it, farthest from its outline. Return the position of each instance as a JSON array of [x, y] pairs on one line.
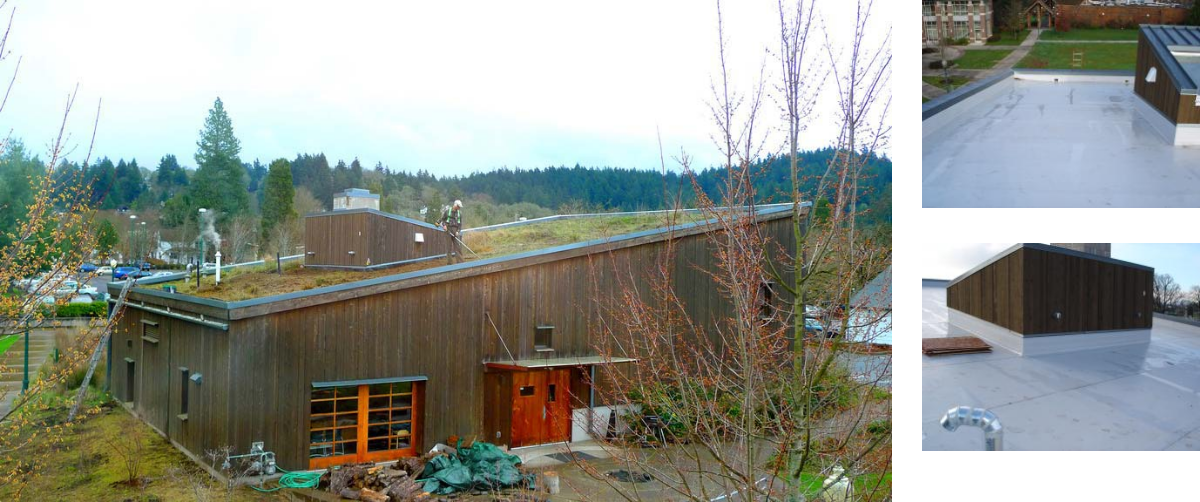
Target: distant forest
[[494, 196]]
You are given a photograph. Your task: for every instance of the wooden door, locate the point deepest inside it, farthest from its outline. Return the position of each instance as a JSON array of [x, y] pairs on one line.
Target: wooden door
[[558, 406], [541, 410]]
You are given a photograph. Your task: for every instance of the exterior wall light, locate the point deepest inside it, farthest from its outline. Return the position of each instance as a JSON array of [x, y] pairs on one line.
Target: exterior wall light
[[1152, 75], [197, 378], [1058, 315]]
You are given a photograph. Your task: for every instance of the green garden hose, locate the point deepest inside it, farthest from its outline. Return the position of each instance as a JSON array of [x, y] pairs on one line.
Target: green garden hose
[[299, 479]]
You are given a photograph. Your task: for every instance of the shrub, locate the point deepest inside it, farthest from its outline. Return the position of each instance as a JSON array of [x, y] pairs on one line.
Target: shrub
[[937, 65], [928, 50], [93, 309]]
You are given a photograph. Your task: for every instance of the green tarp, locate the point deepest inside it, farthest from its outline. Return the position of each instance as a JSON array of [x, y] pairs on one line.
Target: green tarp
[[481, 466]]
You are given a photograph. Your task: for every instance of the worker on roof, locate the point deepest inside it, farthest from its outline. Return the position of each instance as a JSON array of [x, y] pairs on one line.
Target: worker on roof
[[451, 222]]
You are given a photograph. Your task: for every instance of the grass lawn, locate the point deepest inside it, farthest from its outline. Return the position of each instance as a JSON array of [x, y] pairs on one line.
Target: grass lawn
[[1095, 56], [955, 82], [1009, 38], [980, 59], [1091, 34], [7, 342]]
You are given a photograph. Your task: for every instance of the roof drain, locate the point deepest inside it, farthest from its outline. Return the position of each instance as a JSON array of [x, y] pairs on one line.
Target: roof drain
[[993, 432]]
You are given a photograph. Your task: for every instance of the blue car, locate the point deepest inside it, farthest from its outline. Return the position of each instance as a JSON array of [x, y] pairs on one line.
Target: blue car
[[120, 273], [88, 267]]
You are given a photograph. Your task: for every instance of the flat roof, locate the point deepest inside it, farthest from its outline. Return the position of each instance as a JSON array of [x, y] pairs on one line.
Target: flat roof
[[1027, 141], [1137, 397]]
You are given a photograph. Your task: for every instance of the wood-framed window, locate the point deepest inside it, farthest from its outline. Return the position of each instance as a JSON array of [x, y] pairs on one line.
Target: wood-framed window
[[364, 421]]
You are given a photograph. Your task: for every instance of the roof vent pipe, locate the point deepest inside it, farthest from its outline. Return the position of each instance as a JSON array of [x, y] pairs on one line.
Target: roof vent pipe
[[993, 432]]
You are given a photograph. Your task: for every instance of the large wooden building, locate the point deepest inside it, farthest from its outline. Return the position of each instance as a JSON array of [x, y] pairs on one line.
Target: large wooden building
[[1168, 68], [497, 349], [1030, 297]]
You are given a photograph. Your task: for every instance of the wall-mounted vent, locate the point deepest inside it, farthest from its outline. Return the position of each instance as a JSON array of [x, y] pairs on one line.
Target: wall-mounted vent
[[543, 338]]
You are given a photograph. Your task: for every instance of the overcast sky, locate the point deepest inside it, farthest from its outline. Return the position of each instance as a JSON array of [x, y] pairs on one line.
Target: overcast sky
[[444, 86], [1182, 261]]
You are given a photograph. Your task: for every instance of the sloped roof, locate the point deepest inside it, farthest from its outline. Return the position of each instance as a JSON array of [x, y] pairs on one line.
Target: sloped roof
[[877, 293], [1164, 38]]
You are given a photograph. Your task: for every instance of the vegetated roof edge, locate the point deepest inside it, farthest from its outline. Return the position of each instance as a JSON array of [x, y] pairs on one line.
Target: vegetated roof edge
[[338, 212], [479, 267], [1155, 34], [1048, 248]]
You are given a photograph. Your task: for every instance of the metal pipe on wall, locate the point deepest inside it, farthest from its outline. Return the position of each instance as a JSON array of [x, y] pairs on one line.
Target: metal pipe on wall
[[993, 432]]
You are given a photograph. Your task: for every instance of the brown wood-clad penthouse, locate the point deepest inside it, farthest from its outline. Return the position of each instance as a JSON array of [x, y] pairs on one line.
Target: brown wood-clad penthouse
[[1035, 289], [368, 238], [1168, 60], [495, 349]]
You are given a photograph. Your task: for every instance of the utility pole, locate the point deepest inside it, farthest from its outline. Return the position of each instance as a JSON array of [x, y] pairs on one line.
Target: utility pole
[[25, 379]]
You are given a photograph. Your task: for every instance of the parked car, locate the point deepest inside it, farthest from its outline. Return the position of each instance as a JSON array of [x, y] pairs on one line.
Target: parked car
[[814, 327], [105, 270], [88, 267], [140, 274], [120, 272], [146, 266]]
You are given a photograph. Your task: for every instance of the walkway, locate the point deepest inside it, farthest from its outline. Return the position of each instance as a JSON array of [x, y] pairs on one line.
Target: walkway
[[929, 91], [1016, 55]]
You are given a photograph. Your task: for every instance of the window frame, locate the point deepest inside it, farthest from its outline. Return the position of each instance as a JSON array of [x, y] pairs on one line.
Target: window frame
[[361, 428]]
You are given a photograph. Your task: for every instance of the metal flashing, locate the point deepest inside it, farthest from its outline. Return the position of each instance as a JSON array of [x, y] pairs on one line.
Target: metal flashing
[[368, 381]]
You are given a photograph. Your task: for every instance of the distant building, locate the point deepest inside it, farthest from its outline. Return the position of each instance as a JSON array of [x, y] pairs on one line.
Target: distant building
[[1104, 250], [956, 20], [355, 198]]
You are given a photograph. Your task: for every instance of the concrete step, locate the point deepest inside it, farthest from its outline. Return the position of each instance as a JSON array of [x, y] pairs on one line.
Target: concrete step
[[34, 355], [17, 376]]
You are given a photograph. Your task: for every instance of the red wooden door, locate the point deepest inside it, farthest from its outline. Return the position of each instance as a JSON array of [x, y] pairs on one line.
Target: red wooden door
[[541, 410], [558, 406]]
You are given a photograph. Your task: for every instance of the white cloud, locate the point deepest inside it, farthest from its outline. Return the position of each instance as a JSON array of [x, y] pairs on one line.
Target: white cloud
[[405, 83]]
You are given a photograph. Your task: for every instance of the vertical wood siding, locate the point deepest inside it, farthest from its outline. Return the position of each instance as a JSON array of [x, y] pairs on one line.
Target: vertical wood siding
[[1163, 94], [374, 238], [258, 376], [1024, 290]]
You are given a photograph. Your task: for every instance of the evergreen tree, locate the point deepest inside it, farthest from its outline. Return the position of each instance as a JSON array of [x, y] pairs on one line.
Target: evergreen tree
[[169, 178], [128, 183], [220, 182], [107, 237], [278, 195]]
